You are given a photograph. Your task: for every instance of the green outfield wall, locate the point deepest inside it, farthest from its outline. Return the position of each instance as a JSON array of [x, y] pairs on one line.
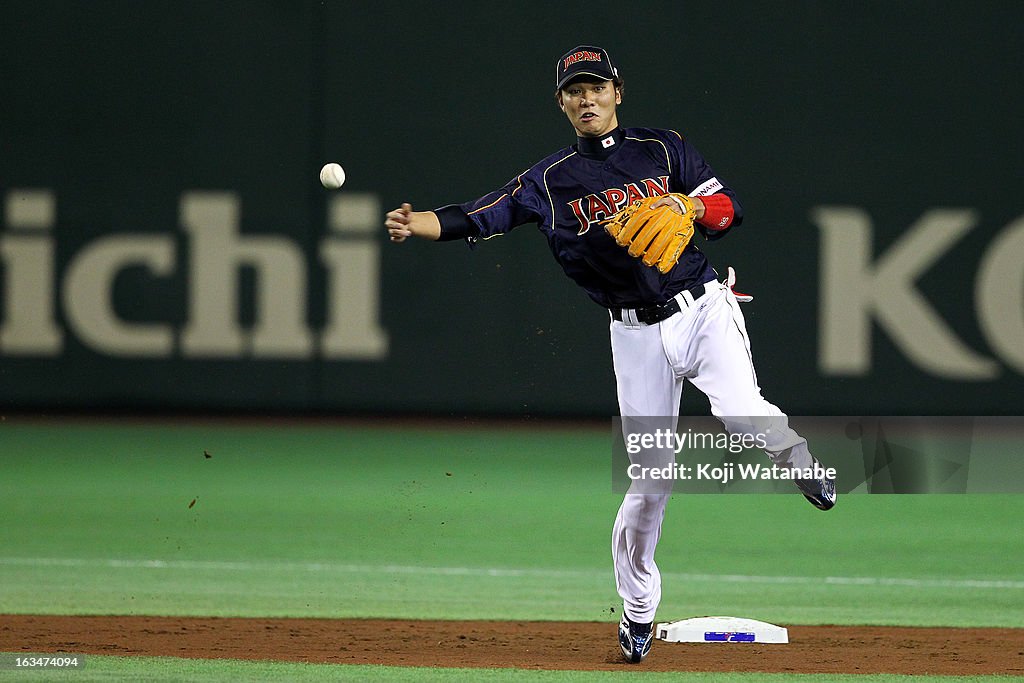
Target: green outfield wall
[[165, 243]]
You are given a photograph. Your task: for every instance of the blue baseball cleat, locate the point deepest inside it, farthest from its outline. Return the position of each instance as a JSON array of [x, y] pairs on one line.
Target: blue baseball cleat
[[635, 639], [820, 492]]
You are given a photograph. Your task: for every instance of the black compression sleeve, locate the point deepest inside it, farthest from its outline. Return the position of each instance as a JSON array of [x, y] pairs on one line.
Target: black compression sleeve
[[455, 224]]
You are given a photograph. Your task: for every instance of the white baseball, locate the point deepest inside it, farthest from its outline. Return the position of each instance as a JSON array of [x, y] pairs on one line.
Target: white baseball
[[332, 176]]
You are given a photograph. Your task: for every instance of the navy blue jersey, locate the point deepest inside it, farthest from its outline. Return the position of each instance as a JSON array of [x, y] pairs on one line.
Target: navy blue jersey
[[569, 192]]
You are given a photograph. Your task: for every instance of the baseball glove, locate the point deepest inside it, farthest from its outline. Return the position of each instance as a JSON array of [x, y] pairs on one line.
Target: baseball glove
[[658, 236]]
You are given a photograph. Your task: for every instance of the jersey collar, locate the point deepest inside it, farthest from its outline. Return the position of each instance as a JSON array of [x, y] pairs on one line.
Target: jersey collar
[[602, 147]]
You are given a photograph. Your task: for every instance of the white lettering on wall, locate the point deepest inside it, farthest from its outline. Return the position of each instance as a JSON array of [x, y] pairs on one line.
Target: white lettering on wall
[[217, 252]]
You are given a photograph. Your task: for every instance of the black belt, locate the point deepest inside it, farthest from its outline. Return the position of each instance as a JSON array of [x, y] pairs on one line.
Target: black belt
[[649, 315]]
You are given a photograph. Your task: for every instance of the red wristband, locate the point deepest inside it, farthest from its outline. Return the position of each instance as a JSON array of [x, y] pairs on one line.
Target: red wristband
[[718, 212]]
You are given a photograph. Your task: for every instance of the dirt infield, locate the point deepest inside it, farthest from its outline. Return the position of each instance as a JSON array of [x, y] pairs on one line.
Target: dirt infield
[[525, 645]]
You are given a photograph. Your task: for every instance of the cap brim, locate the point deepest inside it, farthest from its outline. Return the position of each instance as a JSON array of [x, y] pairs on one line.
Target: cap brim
[[568, 77]]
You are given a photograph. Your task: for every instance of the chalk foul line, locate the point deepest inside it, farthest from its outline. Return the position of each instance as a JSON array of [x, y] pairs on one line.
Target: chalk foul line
[[389, 569]]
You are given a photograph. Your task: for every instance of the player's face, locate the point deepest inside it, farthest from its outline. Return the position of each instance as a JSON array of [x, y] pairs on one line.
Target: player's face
[[590, 106]]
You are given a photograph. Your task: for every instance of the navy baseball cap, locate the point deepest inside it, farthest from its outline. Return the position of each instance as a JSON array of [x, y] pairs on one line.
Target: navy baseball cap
[[584, 60]]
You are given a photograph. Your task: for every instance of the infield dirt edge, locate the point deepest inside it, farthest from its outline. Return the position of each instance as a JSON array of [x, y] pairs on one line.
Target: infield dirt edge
[[582, 646]]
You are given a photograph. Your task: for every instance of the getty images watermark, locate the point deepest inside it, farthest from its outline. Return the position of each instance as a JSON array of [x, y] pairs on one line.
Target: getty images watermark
[[862, 454], [666, 440]]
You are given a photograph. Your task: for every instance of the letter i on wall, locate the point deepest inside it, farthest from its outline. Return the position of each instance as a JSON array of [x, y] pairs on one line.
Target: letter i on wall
[[28, 325]]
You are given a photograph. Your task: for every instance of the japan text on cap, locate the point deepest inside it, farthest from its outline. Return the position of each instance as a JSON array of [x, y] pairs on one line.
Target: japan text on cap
[[585, 60]]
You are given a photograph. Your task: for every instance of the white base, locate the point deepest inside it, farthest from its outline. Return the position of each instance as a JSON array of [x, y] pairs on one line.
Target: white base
[[720, 630]]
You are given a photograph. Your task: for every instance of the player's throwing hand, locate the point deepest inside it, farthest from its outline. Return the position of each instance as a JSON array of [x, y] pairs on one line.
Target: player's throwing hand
[[397, 223], [403, 222]]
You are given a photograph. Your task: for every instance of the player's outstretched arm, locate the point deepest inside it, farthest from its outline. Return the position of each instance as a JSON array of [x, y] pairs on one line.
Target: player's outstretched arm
[[403, 222]]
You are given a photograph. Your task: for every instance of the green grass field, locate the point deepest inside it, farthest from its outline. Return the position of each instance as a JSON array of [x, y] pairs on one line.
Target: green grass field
[[478, 522]]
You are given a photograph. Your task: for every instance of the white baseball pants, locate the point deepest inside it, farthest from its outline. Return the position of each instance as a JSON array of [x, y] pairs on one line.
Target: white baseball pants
[[706, 343]]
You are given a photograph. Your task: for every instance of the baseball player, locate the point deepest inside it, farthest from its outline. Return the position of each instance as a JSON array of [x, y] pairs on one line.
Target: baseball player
[[671, 319]]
